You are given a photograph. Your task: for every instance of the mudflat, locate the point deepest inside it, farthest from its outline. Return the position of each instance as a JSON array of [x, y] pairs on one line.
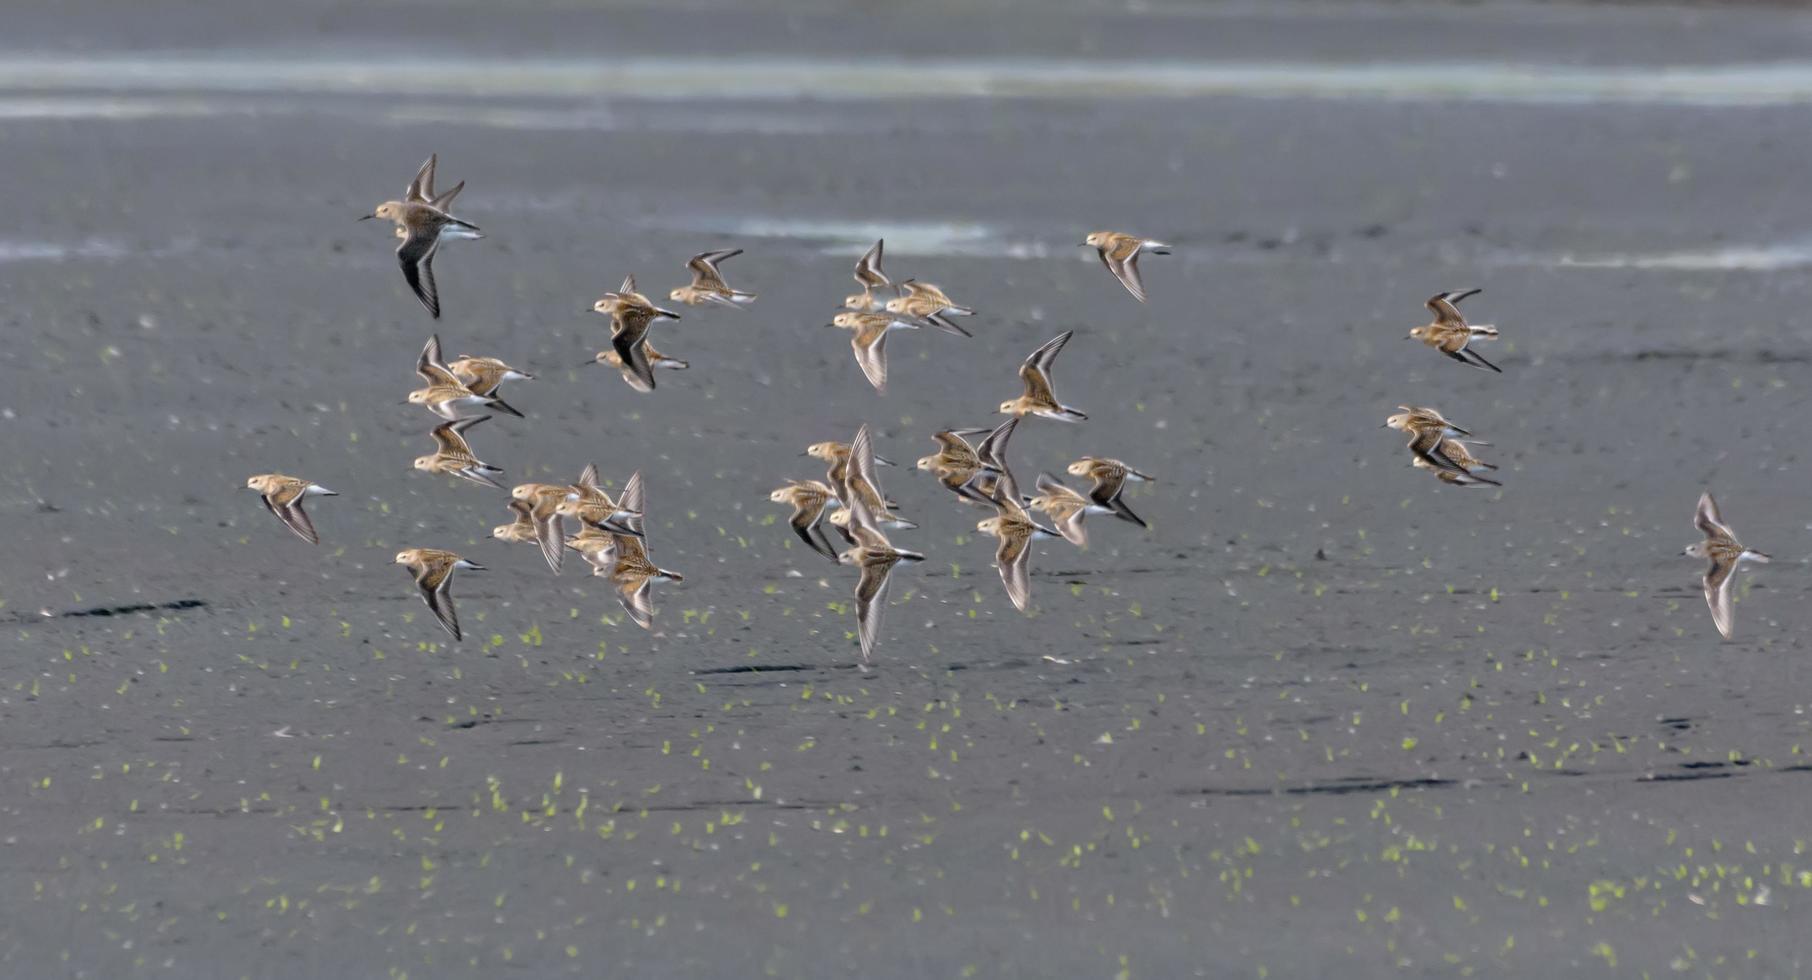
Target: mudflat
[[1326, 717]]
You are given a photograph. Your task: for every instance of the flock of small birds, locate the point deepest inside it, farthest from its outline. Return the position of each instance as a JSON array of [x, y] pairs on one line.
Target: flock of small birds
[[970, 463]]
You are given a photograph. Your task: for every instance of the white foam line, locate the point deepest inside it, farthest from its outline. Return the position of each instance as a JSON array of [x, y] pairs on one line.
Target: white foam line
[[1736, 258], [1788, 83]]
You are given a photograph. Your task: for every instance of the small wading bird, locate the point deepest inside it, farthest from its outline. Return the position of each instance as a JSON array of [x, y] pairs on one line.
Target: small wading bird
[[870, 341], [445, 394], [1428, 432], [926, 302], [283, 496], [1456, 449], [1040, 398], [1066, 508], [522, 530], [957, 465], [433, 570], [809, 500], [1451, 334], [837, 455], [1111, 477], [631, 315], [483, 376], [1016, 531], [656, 359], [1726, 553], [708, 284], [587, 503], [633, 574], [453, 455], [871, 552], [1120, 253], [423, 224]]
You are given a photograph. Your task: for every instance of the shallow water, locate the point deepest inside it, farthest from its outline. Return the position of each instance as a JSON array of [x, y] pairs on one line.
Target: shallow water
[[832, 79]]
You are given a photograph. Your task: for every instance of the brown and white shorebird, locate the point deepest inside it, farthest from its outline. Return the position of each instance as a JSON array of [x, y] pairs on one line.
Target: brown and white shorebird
[[1067, 507], [809, 500], [1111, 477], [1120, 253], [283, 496], [433, 570], [587, 503], [708, 284], [520, 531], [861, 481], [631, 316], [423, 226], [656, 359], [870, 277], [1726, 553], [870, 341], [836, 456], [1457, 449], [973, 479], [1428, 433], [625, 295], [1016, 530], [543, 501], [1040, 398], [927, 302], [872, 552], [453, 455], [485, 375], [1451, 334], [598, 548], [633, 574], [956, 463], [445, 395]]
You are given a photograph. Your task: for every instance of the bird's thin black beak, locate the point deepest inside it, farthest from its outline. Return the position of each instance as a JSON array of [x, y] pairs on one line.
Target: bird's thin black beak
[[1082, 245], [591, 361], [367, 217]]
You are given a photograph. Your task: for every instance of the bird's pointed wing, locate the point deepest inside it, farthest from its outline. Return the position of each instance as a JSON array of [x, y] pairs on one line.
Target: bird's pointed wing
[[1013, 557], [805, 521], [293, 517], [1036, 371], [440, 601], [871, 601], [1445, 307], [1072, 528], [991, 453], [421, 189], [862, 460], [872, 358], [631, 346], [550, 534], [704, 268], [1717, 594], [1126, 269], [868, 267], [450, 436], [1710, 521], [432, 367], [637, 596], [416, 255]]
